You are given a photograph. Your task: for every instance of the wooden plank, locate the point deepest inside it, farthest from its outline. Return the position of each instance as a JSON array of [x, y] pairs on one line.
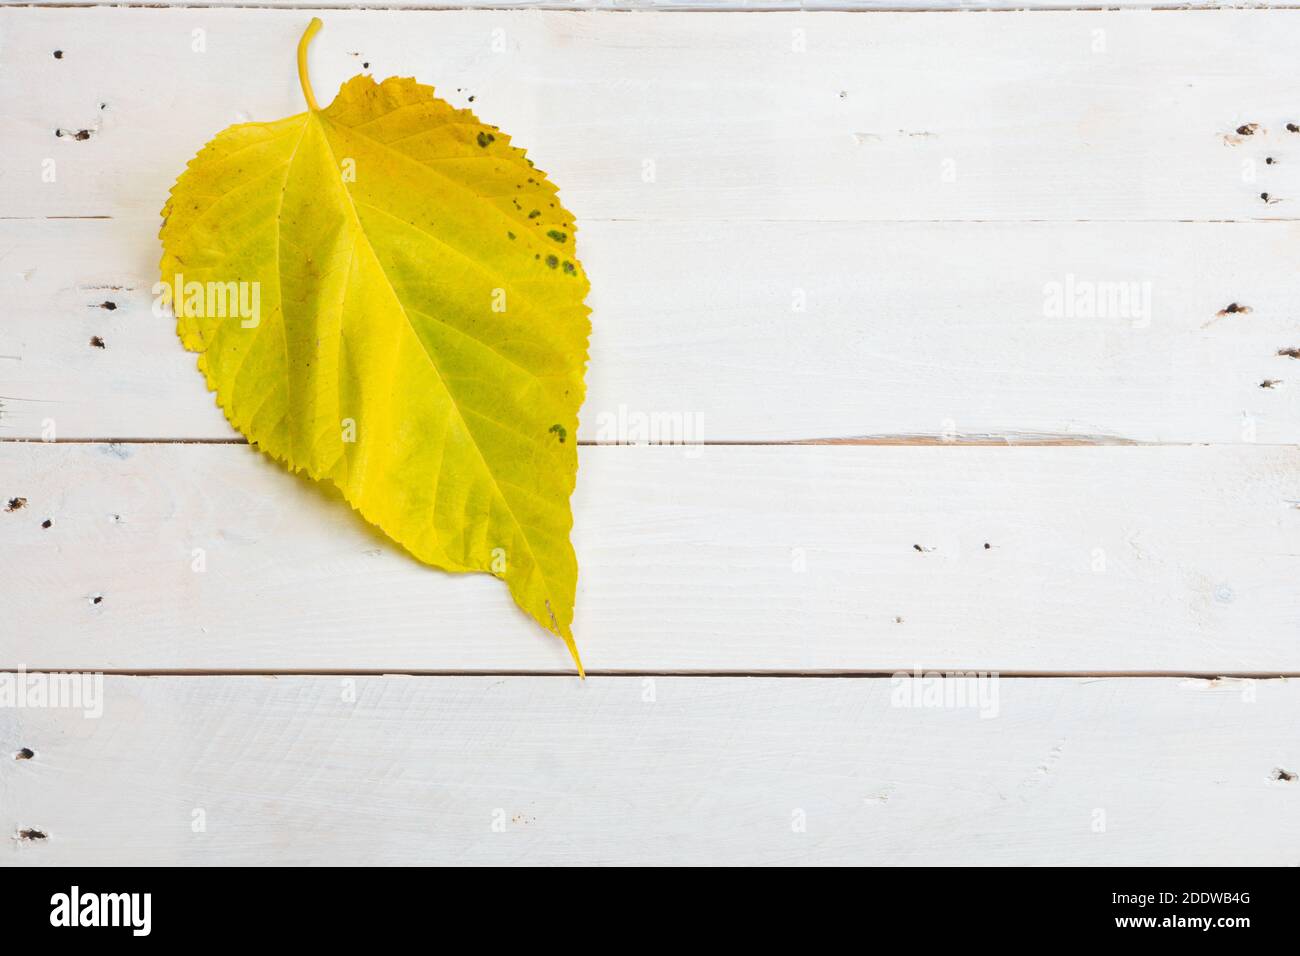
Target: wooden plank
[[655, 771], [723, 558], [792, 116], [767, 332]]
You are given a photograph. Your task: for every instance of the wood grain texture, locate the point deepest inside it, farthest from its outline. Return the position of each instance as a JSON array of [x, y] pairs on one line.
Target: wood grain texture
[[891, 116], [725, 558], [654, 771], [748, 331]]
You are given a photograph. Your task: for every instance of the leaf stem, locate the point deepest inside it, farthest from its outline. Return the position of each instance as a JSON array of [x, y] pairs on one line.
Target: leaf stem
[[303, 78]]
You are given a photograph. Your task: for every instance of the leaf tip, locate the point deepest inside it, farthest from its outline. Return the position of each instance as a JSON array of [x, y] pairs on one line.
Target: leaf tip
[[573, 652]]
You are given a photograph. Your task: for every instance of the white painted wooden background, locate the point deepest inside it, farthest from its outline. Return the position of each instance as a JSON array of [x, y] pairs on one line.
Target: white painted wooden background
[[836, 282]]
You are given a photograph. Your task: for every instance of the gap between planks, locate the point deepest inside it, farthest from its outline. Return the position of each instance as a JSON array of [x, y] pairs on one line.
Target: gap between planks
[[652, 6], [952, 672], [807, 221], [969, 441]]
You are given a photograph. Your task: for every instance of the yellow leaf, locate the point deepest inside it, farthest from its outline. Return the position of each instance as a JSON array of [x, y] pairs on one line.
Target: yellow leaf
[[384, 294]]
